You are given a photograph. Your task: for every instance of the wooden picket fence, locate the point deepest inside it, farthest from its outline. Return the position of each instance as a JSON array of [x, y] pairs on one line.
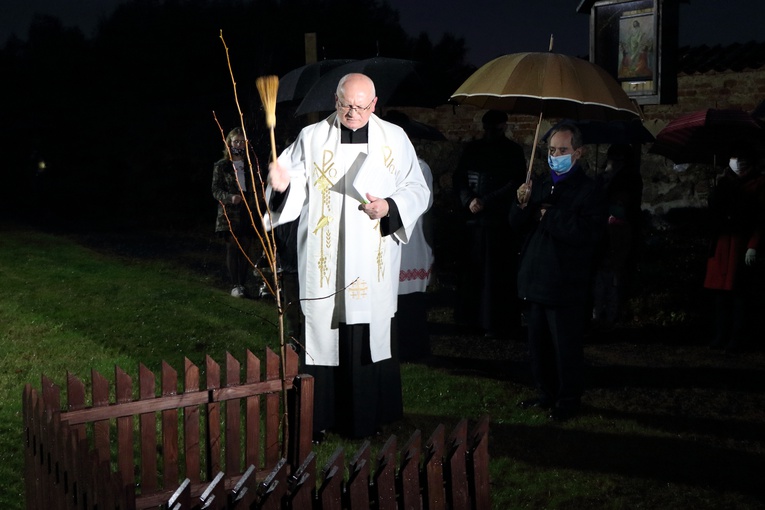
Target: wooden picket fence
[[191, 451], [445, 474]]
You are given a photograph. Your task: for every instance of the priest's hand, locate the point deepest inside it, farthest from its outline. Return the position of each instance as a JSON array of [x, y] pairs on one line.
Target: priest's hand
[[376, 208], [278, 176]]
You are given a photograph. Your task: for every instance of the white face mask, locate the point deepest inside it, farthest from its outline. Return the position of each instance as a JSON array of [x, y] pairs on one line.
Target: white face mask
[[734, 166]]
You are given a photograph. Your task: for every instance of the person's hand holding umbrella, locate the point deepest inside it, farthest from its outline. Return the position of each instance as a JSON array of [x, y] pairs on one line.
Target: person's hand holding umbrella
[[524, 194]]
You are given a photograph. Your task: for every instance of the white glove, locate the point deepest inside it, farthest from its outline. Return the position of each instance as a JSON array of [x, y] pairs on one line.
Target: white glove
[[751, 255]]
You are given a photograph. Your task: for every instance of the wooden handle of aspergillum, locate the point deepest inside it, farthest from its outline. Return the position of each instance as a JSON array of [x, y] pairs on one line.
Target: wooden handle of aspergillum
[[273, 145]]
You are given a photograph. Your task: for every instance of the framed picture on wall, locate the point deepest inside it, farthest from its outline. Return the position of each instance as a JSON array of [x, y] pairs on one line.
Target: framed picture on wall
[[636, 42], [637, 46]]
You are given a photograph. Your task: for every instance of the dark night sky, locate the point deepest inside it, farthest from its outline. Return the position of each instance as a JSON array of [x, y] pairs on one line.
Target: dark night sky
[[490, 27]]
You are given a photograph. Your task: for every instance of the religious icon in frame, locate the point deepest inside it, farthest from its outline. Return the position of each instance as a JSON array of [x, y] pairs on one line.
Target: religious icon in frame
[[635, 41], [636, 47]]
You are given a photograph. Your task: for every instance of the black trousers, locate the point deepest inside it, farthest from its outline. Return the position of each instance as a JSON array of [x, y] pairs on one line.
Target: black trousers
[[731, 319], [556, 350], [357, 397]]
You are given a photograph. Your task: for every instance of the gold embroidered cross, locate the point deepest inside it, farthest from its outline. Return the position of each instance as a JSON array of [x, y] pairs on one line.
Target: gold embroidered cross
[[359, 289]]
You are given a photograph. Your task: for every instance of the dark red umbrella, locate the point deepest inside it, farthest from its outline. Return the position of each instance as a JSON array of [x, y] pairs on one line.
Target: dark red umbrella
[[705, 136]]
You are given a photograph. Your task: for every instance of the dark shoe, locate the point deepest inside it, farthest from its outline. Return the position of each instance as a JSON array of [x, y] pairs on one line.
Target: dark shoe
[[541, 403], [561, 414]]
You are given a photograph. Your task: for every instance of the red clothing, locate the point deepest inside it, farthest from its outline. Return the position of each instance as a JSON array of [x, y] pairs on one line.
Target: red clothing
[[737, 207]]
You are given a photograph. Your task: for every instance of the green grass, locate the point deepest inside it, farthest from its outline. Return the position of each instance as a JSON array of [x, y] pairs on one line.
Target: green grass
[[66, 307]]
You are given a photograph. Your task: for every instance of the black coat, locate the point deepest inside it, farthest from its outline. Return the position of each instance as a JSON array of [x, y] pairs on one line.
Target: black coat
[[558, 251], [224, 188]]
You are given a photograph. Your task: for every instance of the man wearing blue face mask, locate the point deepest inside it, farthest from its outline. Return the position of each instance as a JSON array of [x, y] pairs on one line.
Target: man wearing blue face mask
[[562, 215]]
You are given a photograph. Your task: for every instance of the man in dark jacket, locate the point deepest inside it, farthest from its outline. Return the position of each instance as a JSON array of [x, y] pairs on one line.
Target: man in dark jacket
[[489, 171], [562, 214]]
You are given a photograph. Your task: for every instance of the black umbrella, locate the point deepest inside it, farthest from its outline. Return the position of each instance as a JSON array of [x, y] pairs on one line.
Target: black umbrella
[[295, 84], [414, 129], [617, 131], [397, 83]]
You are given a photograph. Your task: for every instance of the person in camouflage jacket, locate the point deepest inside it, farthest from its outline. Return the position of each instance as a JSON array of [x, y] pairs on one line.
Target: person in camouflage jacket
[[233, 188]]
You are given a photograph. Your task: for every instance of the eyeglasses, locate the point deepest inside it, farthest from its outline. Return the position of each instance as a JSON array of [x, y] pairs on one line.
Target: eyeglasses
[[348, 108]]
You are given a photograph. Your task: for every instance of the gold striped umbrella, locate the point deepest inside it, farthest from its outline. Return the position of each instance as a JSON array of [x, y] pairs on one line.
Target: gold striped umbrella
[[548, 85]]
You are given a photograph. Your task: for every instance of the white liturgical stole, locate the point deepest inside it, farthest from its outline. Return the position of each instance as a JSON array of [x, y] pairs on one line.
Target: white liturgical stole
[[348, 271]]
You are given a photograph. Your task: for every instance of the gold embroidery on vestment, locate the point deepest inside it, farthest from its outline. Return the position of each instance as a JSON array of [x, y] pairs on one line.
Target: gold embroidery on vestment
[[323, 176], [358, 290], [388, 159], [379, 258]]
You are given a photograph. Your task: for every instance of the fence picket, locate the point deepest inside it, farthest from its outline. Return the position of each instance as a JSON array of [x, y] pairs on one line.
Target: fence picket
[[212, 419], [274, 487], [101, 435], [252, 413], [433, 472], [233, 419], [385, 476], [181, 498], [124, 393], [32, 486], [75, 399], [243, 495], [148, 431], [61, 466], [457, 492], [214, 496], [331, 490], [409, 473], [358, 482], [478, 465], [302, 491], [191, 419], [273, 415], [170, 457], [301, 426]]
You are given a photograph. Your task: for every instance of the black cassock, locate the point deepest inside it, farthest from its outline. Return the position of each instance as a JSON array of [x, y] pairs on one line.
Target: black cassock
[[357, 397]]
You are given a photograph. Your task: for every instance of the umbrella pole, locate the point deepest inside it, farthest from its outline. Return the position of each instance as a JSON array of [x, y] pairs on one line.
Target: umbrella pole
[[534, 148]]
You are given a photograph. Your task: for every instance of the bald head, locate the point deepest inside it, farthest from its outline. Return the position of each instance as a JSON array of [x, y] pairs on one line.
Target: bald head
[[355, 80], [355, 100]]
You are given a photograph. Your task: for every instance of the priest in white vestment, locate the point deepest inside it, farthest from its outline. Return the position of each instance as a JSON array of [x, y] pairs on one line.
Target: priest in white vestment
[[354, 183]]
